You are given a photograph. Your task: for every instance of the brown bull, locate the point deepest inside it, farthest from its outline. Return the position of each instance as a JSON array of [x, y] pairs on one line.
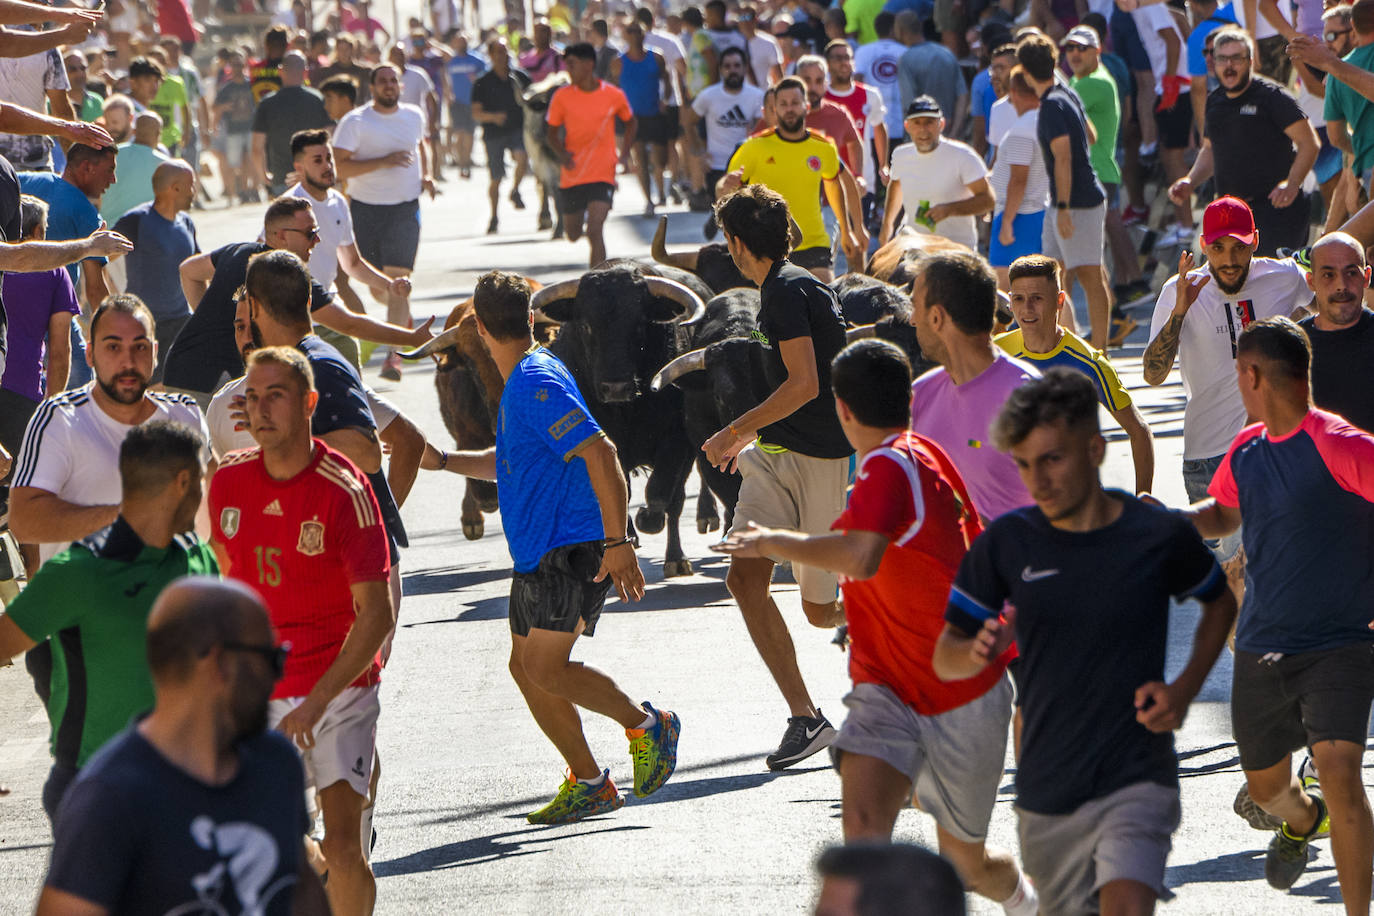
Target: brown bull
[[897, 261]]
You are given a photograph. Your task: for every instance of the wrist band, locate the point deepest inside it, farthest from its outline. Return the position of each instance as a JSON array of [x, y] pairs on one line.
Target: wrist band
[[608, 544], [443, 460]]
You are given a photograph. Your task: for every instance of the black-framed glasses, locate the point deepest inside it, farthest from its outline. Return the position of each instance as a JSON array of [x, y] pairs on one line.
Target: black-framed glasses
[[1337, 33], [312, 234], [1224, 59], [275, 656]]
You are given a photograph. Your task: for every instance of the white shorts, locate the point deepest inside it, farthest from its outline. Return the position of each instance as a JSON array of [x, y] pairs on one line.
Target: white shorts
[[345, 738]]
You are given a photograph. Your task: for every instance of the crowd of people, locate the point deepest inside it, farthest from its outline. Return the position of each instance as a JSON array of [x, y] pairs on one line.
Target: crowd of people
[[224, 689]]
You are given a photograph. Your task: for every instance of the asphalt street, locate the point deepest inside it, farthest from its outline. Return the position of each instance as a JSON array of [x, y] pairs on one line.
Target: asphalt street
[[462, 761]]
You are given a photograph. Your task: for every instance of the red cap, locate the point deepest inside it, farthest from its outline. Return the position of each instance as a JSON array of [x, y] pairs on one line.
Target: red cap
[[1228, 216]]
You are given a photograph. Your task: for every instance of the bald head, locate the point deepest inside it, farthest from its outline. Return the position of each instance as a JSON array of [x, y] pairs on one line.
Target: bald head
[[293, 69], [169, 174], [148, 129], [1339, 278], [195, 614], [1337, 246]]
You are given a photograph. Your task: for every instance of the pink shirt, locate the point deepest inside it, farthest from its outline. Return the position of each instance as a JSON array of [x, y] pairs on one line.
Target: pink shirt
[[958, 417]]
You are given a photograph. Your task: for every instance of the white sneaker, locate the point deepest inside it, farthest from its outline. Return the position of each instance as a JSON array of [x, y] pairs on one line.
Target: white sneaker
[[1176, 236]]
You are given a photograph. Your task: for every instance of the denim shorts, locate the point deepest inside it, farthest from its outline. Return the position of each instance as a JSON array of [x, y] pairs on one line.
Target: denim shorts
[[1197, 475]]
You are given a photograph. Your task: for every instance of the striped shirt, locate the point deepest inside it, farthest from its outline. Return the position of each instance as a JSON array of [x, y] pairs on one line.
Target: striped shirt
[[1073, 352]]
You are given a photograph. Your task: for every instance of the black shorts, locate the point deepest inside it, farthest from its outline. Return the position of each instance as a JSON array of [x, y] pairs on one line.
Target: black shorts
[[674, 116], [577, 198], [496, 144], [813, 258], [653, 129], [460, 116], [388, 235], [1176, 123], [15, 413], [560, 592], [1283, 706]]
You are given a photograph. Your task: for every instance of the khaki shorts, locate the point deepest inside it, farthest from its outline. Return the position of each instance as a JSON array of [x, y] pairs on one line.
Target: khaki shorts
[[797, 492], [345, 739]]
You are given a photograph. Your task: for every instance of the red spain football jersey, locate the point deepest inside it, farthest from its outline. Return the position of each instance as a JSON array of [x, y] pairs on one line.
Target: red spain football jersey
[[302, 543], [909, 491]]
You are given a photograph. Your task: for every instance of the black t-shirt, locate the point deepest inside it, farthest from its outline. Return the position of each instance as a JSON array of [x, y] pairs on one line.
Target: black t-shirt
[[497, 93], [360, 74], [1092, 610], [343, 405], [204, 351], [1251, 153], [9, 232], [237, 99], [1343, 369], [795, 304], [138, 835], [1061, 112], [280, 115]]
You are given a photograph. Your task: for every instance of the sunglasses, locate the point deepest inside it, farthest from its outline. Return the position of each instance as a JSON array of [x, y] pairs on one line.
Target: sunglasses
[[312, 234], [1333, 35], [275, 656], [1075, 49]]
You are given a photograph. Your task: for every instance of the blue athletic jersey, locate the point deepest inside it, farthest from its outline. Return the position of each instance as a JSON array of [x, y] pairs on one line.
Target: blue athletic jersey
[[463, 70], [546, 496]]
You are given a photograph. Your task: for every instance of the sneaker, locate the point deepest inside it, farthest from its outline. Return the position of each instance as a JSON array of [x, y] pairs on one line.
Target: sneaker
[[1130, 294], [577, 800], [841, 637], [1134, 216], [804, 737], [654, 751], [1176, 236], [1253, 814], [1311, 784], [1286, 858], [516, 200], [649, 210], [1303, 257], [710, 229], [492, 227], [391, 368]]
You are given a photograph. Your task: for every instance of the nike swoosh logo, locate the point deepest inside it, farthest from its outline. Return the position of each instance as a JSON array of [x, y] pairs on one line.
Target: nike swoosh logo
[[811, 733], [1035, 575]]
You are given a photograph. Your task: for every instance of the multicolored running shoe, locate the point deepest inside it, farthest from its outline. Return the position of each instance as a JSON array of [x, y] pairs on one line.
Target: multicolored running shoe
[[576, 800], [654, 751]]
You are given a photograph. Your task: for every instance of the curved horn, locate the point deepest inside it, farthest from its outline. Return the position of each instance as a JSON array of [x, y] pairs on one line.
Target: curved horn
[[563, 289], [443, 341], [859, 332], [691, 303], [658, 249], [695, 361]]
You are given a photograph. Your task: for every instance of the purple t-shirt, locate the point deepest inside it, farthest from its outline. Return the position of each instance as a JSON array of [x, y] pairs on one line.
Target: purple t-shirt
[[32, 300], [957, 418]]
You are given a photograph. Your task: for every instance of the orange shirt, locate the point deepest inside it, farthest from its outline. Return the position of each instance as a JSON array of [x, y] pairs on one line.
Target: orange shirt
[[588, 122]]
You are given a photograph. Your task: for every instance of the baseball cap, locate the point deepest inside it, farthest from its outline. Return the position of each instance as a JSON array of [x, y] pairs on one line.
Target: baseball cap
[[923, 106], [1228, 216], [1082, 35]]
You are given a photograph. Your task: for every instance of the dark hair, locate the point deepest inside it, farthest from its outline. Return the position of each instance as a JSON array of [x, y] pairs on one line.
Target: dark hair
[[177, 640], [153, 454], [502, 301], [1034, 265], [142, 66], [599, 27], [80, 154], [883, 23], [1039, 56], [758, 217], [833, 45], [965, 286], [302, 139], [372, 74], [1362, 16], [280, 283], [1280, 343], [716, 5], [645, 16], [1098, 23], [790, 82], [124, 304], [873, 378], [692, 16], [321, 35], [282, 209], [581, 49], [1060, 395], [734, 49], [342, 85], [893, 877], [277, 34]]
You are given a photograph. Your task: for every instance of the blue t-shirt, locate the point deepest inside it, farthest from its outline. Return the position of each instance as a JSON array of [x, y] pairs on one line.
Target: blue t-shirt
[[1061, 113], [1092, 608], [71, 215], [160, 245], [138, 836], [462, 70], [546, 497], [1197, 62], [982, 95]]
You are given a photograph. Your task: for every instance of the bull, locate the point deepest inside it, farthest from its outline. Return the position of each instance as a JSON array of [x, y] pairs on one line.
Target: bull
[[899, 261], [544, 163], [711, 264]]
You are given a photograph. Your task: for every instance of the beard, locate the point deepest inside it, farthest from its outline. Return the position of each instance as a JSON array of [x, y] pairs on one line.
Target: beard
[[793, 125], [328, 180], [1231, 288], [120, 397], [734, 81], [257, 334], [385, 102]]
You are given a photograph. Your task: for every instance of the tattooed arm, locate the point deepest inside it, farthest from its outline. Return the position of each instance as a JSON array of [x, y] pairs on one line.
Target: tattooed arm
[[1159, 355]]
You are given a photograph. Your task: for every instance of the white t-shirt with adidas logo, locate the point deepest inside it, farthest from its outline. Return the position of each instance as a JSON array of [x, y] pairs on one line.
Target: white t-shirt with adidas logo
[[729, 117]]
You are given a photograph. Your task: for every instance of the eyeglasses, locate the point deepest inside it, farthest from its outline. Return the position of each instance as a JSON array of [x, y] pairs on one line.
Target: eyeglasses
[[1333, 35], [275, 656], [1230, 58], [1074, 49], [312, 234]]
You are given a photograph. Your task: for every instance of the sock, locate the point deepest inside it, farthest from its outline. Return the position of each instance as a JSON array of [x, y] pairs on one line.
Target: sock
[[1024, 901], [648, 722], [594, 783]]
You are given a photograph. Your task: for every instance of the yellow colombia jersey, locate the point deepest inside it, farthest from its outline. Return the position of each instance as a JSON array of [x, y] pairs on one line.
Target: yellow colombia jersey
[[793, 168], [1075, 353]]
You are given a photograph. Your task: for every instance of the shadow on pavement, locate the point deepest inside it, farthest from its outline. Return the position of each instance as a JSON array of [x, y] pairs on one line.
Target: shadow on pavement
[[1233, 866], [448, 579], [479, 850]]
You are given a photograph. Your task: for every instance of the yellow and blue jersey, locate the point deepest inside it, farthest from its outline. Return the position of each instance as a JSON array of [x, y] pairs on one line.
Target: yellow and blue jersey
[[1074, 352]]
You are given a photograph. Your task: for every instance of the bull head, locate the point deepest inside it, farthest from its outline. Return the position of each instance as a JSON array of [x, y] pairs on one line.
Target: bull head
[[554, 302], [695, 360]]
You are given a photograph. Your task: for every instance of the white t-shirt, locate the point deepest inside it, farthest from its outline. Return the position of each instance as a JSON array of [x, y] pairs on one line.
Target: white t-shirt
[[1263, 29], [876, 64], [1020, 145], [336, 228], [225, 438], [1149, 22], [874, 112], [764, 53], [1213, 413], [25, 82], [415, 85], [940, 176], [366, 133], [728, 116], [671, 49], [71, 448], [1000, 120]]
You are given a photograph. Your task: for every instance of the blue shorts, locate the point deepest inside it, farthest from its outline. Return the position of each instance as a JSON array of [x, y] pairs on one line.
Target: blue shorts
[[1026, 227], [1328, 164]]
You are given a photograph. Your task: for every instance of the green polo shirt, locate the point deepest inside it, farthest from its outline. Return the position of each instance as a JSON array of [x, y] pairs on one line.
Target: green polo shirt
[[93, 601], [1345, 104], [171, 95], [1102, 105]]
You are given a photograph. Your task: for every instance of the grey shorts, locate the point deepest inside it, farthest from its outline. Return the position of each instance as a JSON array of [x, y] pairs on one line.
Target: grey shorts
[[1197, 476], [794, 491], [1126, 835], [955, 760], [1085, 247]]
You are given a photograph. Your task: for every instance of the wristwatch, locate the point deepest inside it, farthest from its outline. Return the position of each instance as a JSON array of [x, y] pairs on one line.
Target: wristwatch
[[1062, 205]]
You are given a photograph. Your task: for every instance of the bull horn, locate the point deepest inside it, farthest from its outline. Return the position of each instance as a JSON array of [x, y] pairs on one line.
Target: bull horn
[[658, 249], [563, 289], [687, 363], [860, 332], [445, 340], [794, 232], [671, 289]]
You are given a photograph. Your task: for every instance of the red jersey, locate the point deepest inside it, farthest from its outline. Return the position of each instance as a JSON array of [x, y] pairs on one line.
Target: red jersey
[[835, 122], [302, 543], [909, 491], [856, 103]]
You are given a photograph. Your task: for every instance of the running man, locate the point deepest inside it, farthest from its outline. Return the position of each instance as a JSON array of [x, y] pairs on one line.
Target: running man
[[582, 121], [496, 106], [563, 499], [898, 544], [298, 522], [1097, 784], [644, 77]]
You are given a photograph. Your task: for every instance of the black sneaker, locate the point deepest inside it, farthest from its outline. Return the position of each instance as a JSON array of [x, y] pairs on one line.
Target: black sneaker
[[1253, 814], [1286, 858], [804, 737]]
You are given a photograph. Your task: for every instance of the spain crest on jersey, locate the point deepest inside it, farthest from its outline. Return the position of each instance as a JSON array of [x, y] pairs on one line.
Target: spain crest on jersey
[[229, 521], [311, 542]]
